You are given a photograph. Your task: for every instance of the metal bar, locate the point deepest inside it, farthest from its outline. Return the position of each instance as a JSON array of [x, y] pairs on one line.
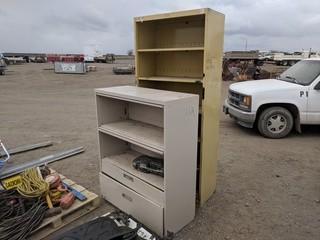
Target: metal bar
[[10, 171], [26, 148], [75, 192], [6, 155]]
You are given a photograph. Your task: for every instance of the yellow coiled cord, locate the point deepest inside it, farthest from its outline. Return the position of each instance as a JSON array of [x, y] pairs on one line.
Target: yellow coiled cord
[[33, 184]]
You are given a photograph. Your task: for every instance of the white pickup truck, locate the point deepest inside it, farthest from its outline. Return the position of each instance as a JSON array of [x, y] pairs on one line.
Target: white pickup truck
[[276, 106]]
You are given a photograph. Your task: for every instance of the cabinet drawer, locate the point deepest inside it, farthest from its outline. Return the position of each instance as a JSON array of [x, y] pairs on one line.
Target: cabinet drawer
[[144, 210], [133, 182]]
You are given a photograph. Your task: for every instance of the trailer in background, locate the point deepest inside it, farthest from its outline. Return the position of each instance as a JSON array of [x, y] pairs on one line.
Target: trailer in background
[[106, 58], [71, 58], [289, 59]]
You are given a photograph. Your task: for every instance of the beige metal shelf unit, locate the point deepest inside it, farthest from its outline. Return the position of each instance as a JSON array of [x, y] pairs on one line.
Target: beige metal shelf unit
[[133, 121], [182, 51]]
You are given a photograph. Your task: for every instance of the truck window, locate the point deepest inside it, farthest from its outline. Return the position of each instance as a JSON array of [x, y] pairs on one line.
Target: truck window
[[303, 73]]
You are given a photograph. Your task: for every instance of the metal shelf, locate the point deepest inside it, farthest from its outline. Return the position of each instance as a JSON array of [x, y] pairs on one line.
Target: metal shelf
[[139, 133], [171, 49], [172, 79]]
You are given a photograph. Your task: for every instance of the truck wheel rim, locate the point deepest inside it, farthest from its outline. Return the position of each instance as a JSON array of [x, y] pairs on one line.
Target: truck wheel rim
[[277, 123]]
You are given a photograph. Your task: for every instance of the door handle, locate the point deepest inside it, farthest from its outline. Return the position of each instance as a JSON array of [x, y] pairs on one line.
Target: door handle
[[125, 196], [128, 177], [301, 93]]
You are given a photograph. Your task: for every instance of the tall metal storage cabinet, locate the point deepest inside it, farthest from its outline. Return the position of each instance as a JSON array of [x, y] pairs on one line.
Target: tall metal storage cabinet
[[182, 51], [133, 121]]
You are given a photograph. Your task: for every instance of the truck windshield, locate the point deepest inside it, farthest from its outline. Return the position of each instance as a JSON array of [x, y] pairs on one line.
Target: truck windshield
[[303, 73]]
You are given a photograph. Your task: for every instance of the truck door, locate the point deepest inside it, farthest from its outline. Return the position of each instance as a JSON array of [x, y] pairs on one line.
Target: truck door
[[313, 114]]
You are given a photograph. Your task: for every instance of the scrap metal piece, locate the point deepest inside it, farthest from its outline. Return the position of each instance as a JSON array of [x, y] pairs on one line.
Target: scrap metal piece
[[6, 153], [5, 157], [124, 69], [13, 170], [26, 148]]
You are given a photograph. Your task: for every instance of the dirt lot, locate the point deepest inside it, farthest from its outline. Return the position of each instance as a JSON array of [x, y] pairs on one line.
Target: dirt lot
[[267, 189]]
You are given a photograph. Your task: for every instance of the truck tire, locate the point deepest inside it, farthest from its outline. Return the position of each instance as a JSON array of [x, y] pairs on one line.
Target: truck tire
[[1, 72], [275, 122]]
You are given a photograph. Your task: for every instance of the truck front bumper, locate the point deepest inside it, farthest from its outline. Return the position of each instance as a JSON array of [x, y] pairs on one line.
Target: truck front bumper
[[245, 119]]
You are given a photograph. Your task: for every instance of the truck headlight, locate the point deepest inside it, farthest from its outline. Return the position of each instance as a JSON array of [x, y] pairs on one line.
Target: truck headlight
[[245, 102]]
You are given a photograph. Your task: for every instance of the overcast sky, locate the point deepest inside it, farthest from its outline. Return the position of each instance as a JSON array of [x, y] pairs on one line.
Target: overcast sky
[[68, 26]]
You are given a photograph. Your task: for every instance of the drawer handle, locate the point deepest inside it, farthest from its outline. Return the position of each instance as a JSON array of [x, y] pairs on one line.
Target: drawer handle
[[128, 177], [125, 196]]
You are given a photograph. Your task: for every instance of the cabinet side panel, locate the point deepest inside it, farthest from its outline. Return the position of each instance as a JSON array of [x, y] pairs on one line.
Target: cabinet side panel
[[180, 160], [214, 32], [146, 64], [110, 145], [110, 110], [145, 35], [136, 40]]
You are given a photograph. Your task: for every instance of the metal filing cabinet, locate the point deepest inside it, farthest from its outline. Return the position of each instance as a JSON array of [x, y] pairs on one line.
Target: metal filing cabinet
[[182, 51], [133, 121]]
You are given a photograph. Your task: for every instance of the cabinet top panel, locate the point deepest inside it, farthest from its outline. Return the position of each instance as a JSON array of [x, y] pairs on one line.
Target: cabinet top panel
[[133, 93], [201, 11]]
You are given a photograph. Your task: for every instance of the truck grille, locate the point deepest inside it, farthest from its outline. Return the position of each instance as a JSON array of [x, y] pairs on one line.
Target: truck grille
[[235, 99]]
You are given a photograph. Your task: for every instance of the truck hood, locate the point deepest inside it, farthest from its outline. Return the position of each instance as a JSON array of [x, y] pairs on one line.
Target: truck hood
[[258, 86]]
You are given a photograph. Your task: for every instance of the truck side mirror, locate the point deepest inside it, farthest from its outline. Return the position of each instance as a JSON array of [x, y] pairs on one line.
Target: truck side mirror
[[317, 87]]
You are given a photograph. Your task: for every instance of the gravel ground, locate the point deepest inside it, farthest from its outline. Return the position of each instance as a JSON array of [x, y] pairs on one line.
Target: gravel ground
[[267, 189]]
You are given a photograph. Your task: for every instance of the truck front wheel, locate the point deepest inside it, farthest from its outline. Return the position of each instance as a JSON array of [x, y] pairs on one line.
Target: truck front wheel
[[275, 122]]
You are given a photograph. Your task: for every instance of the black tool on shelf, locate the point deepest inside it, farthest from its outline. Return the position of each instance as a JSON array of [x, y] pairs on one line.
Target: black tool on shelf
[[148, 164]]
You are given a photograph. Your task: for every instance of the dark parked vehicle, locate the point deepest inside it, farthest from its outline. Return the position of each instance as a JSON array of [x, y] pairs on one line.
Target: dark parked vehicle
[[3, 65]]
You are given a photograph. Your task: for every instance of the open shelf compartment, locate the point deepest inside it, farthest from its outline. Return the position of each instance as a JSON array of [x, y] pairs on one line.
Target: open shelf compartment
[[180, 32], [121, 154], [136, 123], [181, 64]]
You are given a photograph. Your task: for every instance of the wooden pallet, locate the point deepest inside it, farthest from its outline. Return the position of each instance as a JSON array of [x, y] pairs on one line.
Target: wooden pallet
[[77, 210]]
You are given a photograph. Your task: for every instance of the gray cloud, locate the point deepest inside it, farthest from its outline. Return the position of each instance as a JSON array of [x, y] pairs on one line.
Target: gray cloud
[[80, 22], [2, 12], [69, 26]]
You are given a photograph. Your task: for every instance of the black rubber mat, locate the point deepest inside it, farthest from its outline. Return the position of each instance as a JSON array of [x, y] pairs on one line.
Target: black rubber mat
[[102, 228]]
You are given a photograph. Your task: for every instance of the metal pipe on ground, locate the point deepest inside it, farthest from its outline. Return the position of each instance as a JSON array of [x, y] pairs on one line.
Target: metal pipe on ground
[[26, 148], [13, 170]]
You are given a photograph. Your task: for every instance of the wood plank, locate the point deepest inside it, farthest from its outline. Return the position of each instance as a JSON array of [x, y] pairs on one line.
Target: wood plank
[[171, 79], [137, 133]]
